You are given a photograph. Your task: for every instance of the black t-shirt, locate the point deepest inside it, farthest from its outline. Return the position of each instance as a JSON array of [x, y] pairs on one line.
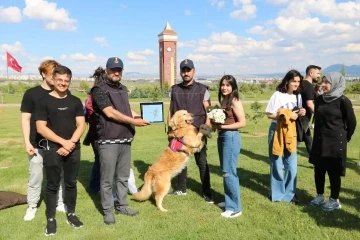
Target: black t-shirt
[[308, 93], [60, 114], [28, 105]]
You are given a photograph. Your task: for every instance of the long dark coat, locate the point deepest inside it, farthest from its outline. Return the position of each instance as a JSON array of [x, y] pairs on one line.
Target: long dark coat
[[335, 124]]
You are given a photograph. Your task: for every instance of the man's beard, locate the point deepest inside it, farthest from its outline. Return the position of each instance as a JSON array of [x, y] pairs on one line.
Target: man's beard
[[187, 80], [112, 82]]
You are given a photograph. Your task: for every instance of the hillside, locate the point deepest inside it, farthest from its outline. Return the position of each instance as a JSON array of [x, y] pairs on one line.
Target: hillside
[[351, 71]]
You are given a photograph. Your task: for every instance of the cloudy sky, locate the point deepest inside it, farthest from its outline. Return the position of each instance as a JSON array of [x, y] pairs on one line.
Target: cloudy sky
[[236, 37]]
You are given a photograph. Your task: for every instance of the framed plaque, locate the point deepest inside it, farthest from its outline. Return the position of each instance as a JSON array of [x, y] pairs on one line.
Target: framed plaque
[[152, 111]]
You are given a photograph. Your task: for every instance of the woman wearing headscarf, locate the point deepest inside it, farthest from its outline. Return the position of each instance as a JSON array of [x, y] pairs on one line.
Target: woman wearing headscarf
[[335, 124]]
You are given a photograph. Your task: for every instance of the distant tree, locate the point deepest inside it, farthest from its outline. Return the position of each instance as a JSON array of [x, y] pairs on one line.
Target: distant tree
[[354, 88], [166, 87], [11, 88], [275, 82], [156, 93], [20, 88], [243, 89], [216, 86], [256, 116], [254, 88], [136, 93], [263, 85], [343, 70], [84, 86]]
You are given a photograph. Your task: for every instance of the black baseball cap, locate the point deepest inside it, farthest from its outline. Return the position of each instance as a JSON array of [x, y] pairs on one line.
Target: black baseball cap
[[114, 62], [187, 63]]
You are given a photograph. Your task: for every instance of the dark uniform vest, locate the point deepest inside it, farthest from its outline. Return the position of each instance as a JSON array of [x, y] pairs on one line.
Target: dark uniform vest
[[109, 130], [190, 98]]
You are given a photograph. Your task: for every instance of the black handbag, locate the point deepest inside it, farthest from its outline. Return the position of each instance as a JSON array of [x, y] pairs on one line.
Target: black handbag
[[302, 124]]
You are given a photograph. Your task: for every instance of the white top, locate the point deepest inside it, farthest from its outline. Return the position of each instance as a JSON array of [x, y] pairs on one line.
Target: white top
[[282, 100]]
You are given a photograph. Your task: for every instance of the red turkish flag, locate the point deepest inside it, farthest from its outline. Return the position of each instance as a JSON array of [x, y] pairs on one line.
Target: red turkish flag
[[11, 62]]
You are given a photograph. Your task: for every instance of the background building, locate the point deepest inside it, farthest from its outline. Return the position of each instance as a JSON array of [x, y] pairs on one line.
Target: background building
[[167, 56]]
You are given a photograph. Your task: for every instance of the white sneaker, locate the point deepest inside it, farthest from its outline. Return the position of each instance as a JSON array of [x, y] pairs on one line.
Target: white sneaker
[[221, 205], [30, 213], [61, 208], [230, 214]]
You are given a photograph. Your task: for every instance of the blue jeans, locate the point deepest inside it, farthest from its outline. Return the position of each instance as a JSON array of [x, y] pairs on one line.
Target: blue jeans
[[282, 185], [229, 145], [94, 183]]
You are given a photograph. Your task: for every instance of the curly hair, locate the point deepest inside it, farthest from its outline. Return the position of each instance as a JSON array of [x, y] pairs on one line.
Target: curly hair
[[98, 75]]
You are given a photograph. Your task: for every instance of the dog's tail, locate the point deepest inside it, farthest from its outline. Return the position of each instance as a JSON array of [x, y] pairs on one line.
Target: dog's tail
[[146, 191]]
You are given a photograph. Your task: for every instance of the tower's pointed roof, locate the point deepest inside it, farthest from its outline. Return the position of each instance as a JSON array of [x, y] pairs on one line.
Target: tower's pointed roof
[[168, 30]]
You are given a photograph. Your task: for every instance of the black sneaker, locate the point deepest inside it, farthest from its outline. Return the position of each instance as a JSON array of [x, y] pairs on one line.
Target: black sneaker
[[50, 227], [126, 211], [295, 200], [208, 199], [73, 220]]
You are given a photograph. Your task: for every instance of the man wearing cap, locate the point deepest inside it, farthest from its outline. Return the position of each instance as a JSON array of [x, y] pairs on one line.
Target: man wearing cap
[[115, 132], [195, 98]]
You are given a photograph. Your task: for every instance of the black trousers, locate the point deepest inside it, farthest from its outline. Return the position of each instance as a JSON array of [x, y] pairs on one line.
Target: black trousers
[[53, 163], [201, 162], [335, 181]]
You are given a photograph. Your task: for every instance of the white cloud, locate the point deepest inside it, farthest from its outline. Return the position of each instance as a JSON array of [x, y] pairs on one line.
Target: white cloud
[[123, 5], [102, 41], [217, 3], [135, 56], [352, 47], [47, 58], [10, 14], [241, 2], [187, 12], [329, 8], [139, 57], [146, 52], [220, 4], [63, 56], [278, 2], [245, 13], [255, 30], [138, 62], [17, 47], [189, 44], [82, 57], [54, 18]]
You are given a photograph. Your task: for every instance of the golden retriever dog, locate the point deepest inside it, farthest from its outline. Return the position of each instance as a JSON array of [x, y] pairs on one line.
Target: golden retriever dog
[[185, 140]]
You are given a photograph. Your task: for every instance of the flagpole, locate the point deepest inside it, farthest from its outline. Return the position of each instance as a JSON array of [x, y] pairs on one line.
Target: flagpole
[[7, 76]]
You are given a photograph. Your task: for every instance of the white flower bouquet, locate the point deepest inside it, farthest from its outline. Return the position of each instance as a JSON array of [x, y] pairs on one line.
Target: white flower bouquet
[[216, 114]]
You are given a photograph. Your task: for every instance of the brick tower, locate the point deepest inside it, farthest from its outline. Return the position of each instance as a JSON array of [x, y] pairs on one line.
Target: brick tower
[[167, 56]]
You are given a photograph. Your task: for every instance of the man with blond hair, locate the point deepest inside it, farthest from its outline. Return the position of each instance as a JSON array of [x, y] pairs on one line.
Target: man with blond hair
[[34, 144]]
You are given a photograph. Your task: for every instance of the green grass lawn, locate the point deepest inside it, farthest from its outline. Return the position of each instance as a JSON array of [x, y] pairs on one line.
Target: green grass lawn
[[189, 217]]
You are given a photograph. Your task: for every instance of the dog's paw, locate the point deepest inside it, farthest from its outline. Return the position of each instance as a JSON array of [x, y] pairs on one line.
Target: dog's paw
[[206, 130]]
